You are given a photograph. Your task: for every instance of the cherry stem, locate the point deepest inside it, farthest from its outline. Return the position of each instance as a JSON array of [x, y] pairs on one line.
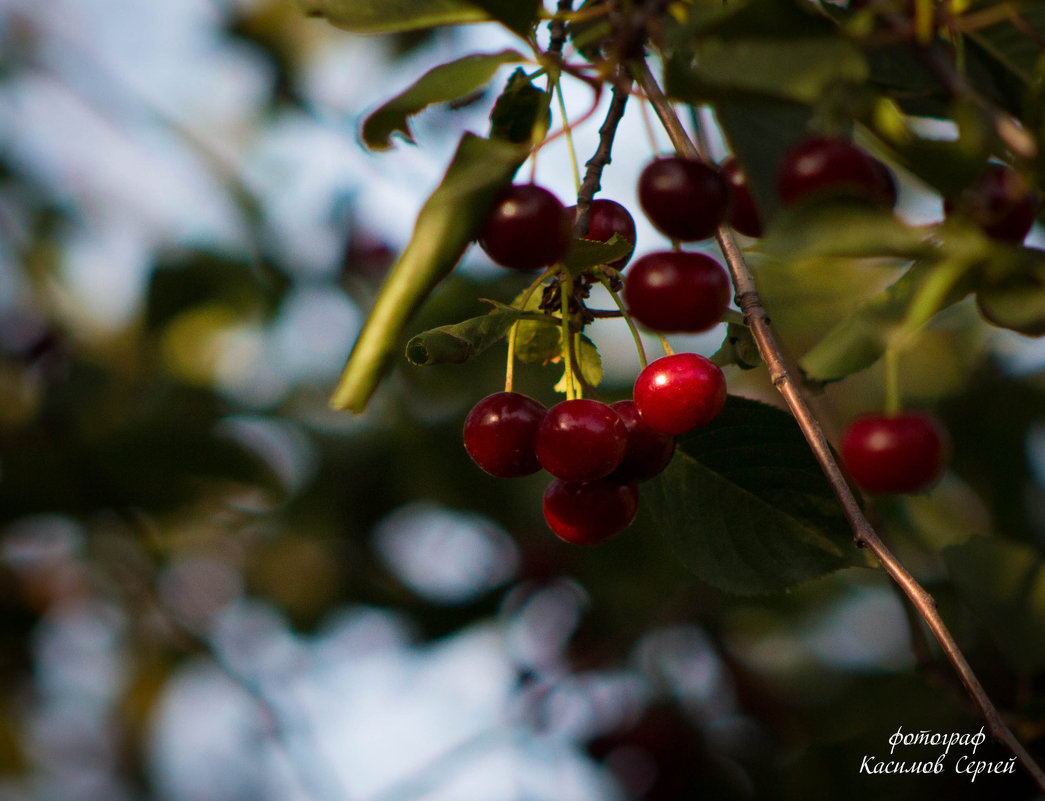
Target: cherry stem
[[892, 380], [750, 303], [568, 133], [509, 370], [605, 281], [668, 350], [565, 290]]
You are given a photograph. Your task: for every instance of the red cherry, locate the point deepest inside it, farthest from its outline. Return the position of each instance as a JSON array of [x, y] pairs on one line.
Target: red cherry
[[608, 217], [743, 213], [499, 434], [527, 228], [648, 451], [675, 291], [683, 198], [1001, 203], [590, 513], [901, 453], [816, 166], [581, 440], [679, 392], [886, 183]]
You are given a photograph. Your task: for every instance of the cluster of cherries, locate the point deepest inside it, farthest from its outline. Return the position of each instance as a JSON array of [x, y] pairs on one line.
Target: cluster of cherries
[[598, 453]]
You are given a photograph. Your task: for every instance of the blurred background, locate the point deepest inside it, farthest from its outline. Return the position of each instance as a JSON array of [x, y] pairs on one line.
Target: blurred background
[[213, 588]]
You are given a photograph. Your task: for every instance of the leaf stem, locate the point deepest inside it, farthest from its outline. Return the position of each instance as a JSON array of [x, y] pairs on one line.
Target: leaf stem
[[750, 303], [892, 380], [569, 134]]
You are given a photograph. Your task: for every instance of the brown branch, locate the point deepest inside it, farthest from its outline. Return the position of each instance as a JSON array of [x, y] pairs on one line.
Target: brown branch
[[755, 317], [603, 155]]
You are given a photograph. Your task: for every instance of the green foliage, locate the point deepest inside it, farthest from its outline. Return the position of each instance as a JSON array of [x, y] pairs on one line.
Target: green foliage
[[457, 343], [517, 15], [520, 110], [745, 504], [584, 254], [448, 222], [587, 362], [1011, 291], [439, 85], [738, 348], [391, 16], [1004, 583]]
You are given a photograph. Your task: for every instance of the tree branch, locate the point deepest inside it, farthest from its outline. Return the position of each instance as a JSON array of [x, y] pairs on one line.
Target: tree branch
[[603, 153], [755, 317]]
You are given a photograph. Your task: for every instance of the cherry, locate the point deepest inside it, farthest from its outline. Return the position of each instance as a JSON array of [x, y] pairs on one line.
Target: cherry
[[743, 213], [589, 513], [648, 451], [683, 198], [1001, 203], [676, 291], [815, 166], [499, 434], [899, 453], [679, 392], [608, 217], [581, 440], [886, 183], [527, 228]]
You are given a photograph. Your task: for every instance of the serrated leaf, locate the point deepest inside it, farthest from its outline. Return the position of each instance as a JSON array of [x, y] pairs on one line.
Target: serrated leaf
[[794, 69], [1004, 583], [843, 227], [439, 85], [588, 364], [746, 507], [392, 16], [519, 110], [457, 343], [1015, 298], [448, 222], [587, 253]]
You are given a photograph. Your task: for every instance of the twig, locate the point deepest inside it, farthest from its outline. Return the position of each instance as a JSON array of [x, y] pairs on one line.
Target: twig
[[755, 317], [603, 153]]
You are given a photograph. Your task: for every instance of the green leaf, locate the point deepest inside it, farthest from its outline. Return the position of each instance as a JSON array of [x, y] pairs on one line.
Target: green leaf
[[587, 253], [1015, 298], [786, 69], [588, 363], [457, 343], [843, 227], [1017, 49], [391, 16], [517, 15], [520, 109], [439, 85], [1004, 583], [536, 342], [738, 348], [745, 504], [760, 133], [448, 222]]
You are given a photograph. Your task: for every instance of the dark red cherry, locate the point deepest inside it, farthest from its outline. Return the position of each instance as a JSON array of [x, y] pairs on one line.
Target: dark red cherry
[[679, 392], [608, 217], [499, 434], [892, 454], [589, 513], [581, 440], [648, 451], [683, 198], [818, 166], [676, 291], [527, 228], [886, 183], [1001, 203], [743, 213]]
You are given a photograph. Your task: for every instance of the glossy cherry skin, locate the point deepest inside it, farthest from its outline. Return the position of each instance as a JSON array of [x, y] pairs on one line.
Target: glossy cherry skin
[[1001, 203], [527, 228], [608, 217], [817, 166], [683, 198], [589, 513], [679, 392], [581, 440], [648, 451], [676, 291], [500, 431], [743, 213], [893, 454]]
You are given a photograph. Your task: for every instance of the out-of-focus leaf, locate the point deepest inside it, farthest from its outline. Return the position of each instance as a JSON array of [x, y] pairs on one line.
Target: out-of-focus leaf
[[587, 253], [746, 18], [439, 85], [448, 222], [745, 504], [391, 16], [738, 348], [1004, 583], [589, 364], [844, 228], [787, 69], [760, 133], [1016, 47], [457, 343], [517, 15], [1015, 298], [519, 109]]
